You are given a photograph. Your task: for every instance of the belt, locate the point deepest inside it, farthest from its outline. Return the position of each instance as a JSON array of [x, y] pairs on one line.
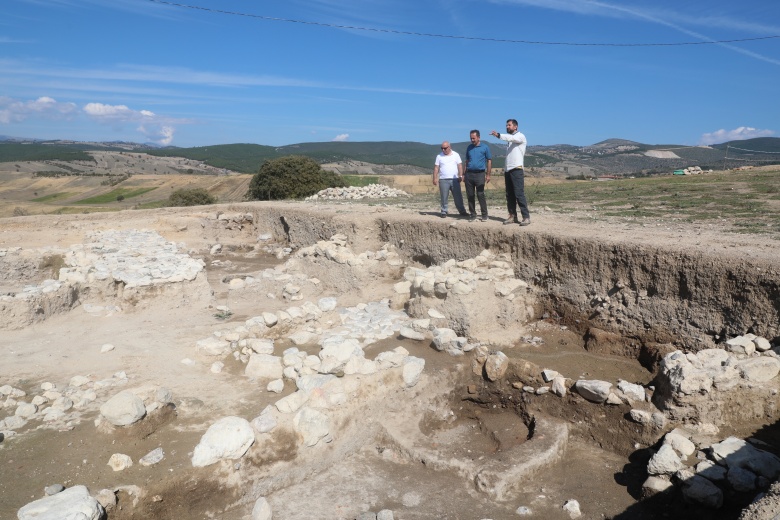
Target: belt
[[475, 171], [513, 169]]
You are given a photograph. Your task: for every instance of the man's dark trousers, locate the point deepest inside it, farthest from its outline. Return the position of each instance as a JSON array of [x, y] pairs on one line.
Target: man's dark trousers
[[475, 181]]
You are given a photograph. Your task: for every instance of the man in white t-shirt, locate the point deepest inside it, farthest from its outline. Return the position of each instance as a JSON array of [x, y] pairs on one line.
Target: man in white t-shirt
[[448, 174]]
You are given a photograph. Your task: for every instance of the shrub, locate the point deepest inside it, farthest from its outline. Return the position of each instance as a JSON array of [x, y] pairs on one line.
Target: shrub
[[191, 197], [120, 198], [290, 177]]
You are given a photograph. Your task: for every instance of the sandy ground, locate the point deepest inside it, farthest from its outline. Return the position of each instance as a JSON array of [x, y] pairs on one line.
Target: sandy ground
[[152, 339]]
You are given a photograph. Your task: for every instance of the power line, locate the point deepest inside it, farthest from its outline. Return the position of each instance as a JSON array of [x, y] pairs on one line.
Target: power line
[[453, 37]]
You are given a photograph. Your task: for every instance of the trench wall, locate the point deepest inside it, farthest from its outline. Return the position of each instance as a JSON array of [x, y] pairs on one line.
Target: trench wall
[[646, 294]]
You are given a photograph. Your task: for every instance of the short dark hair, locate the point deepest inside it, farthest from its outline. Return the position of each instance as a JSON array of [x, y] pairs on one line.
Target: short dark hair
[[513, 121], [474, 132]]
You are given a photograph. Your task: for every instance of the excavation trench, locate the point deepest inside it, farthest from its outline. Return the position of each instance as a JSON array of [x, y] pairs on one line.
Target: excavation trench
[[458, 443]]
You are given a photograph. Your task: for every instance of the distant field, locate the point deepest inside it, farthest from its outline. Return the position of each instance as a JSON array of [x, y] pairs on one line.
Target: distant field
[[112, 195], [52, 197]]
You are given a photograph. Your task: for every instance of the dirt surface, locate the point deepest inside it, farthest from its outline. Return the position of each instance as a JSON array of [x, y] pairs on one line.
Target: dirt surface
[[602, 467]]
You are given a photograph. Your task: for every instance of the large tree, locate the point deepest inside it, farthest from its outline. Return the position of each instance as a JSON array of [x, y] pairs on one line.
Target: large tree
[[290, 177]]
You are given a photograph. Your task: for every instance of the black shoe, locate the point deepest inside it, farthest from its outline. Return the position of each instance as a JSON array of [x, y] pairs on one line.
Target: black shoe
[[484, 218], [443, 215], [472, 218], [464, 214]]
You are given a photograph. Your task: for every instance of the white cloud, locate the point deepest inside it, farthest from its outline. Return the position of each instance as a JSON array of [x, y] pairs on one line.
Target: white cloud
[[155, 128], [341, 137], [160, 134], [14, 111], [743, 132]]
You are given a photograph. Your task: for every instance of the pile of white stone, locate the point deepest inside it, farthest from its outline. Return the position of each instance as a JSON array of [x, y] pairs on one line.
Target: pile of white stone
[[372, 191], [461, 278], [53, 408], [709, 473], [136, 258], [337, 250]]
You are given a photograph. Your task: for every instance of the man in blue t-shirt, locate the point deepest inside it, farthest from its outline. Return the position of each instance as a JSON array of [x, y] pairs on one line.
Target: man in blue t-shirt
[[477, 165]]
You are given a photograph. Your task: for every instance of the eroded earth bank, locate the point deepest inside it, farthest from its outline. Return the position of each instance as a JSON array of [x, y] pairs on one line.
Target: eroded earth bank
[[303, 361]]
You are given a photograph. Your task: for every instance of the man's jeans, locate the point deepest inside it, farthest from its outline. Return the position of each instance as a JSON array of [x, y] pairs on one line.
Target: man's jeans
[[515, 192], [453, 185], [476, 181]]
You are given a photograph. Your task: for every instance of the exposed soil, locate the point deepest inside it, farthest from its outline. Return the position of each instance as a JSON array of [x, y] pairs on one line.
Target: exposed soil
[[603, 466]]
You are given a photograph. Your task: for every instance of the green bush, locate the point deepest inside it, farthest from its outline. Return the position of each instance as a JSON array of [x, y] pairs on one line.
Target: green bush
[[191, 197], [290, 177]]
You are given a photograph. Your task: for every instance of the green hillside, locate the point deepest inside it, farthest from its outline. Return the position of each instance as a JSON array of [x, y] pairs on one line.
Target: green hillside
[[10, 152]]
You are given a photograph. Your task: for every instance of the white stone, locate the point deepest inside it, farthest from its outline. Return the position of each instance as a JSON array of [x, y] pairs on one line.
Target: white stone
[[228, 438], [262, 510], [573, 508], [664, 462], [212, 346], [270, 319], [108, 347], [123, 409], [633, 392], [73, 503], [120, 461], [593, 390], [292, 402], [152, 458], [496, 366], [312, 425], [680, 444], [412, 370], [548, 375], [559, 386], [760, 369], [762, 344], [265, 422], [26, 410], [276, 386], [410, 333], [264, 366], [741, 345], [261, 345]]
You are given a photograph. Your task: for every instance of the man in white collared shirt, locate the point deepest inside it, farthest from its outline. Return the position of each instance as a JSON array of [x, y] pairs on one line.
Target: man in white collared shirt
[[514, 175], [447, 174]]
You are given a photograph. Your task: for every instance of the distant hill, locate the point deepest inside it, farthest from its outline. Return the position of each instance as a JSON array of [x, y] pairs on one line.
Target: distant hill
[[756, 145], [611, 156]]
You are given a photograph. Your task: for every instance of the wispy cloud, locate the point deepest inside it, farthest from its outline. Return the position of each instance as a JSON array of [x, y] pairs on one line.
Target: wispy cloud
[[7, 39], [672, 19], [187, 76], [15, 111], [156, 128], [743, 132], [153, 127], [341, 138]]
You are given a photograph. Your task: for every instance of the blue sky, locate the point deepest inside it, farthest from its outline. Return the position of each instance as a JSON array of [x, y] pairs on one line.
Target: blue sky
[[139, 70]]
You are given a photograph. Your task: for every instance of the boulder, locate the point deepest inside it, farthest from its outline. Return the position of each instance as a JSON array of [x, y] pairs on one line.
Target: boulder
[[74, 502], [593, 390], [123, 409], [228, 438]]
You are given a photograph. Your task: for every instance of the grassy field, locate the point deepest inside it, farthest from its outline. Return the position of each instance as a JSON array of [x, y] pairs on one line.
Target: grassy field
[[748, 200], [745, 201], [111, 196]]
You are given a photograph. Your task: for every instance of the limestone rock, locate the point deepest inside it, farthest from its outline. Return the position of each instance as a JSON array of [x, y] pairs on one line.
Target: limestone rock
[[228, 438], [120, 462], [496, 366], [664, 462], [593, 390], [760, 369], [413, 367], [74, 502], [123, 409], [312, 425], [264, 366], [262, 510]]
